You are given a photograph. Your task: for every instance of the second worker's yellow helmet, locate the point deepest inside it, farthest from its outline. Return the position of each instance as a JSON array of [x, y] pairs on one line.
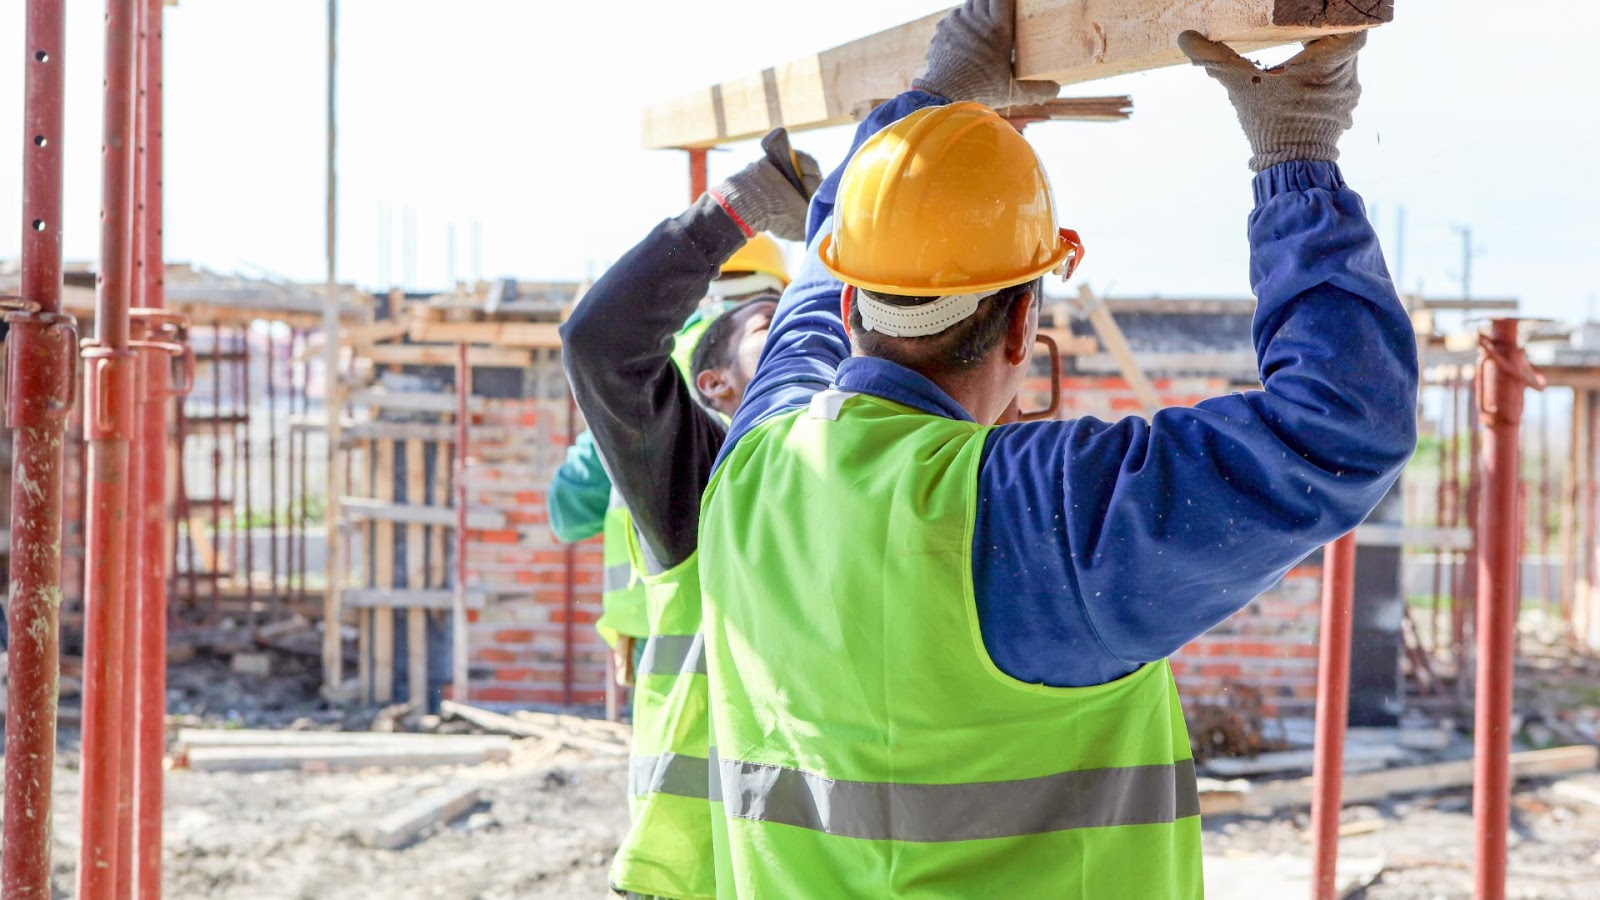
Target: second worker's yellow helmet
[[948, 200], [760, 254]]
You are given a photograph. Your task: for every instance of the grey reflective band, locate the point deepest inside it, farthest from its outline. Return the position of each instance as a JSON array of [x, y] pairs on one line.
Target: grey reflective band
[[881, 811], [669, 773], [619, 577], [673, 654]]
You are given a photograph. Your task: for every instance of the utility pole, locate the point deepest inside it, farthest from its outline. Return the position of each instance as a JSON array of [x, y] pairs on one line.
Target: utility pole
[[332, 643]]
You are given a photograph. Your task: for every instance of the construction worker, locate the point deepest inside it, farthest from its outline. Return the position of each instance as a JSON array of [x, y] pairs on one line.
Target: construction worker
[[659, 437], [937, 646], [580, 498]]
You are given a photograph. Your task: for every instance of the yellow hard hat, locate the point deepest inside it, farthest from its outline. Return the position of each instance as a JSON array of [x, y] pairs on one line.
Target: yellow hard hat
[[948, 200], [759, 254]]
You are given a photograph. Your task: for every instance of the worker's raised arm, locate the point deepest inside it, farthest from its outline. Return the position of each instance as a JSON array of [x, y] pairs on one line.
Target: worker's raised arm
[[969, 58], [579, 493], [1158, 531], [658, 443]]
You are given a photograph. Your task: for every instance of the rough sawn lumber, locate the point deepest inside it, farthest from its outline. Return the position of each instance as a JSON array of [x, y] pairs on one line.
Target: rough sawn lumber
[[1069, 41], [406, 824]]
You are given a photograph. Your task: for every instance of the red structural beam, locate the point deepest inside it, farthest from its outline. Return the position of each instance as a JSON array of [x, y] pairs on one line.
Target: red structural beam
[[1503, 373], [109, 401], [150, 513], [39, 394], [1333, 711]]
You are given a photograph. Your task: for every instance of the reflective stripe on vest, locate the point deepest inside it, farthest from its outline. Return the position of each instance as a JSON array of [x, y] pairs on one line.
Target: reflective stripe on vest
[[619, 576], [670, 773], [884, 811], [673, 654]]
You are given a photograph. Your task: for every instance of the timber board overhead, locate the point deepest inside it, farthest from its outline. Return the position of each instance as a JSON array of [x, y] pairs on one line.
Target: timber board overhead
[[1067, 41]]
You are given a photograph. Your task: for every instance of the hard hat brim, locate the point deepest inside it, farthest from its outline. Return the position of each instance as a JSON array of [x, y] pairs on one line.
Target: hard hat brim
[[825, 251]]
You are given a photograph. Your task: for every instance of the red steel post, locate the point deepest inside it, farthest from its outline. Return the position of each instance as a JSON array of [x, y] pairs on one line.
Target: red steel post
[[697, 173], [39, 393], [1333, 711], [127, 704], [108, 425], [1503, 372], [150, 707], [458, 621]]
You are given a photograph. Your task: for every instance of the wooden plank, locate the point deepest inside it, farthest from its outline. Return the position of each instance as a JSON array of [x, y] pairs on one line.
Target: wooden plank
[[1368, 787], [1116, 343], [411, 401], [189, 738], [365, 509], [403, 826], [493, 721], [324, 758], [407, 598], [416, 618], [353, 432], [383, 579], [363, 336], [1072, 41], [543, 335], [361, 483], [436, 533], [1384, 535], [443, 355], [1069, 41]]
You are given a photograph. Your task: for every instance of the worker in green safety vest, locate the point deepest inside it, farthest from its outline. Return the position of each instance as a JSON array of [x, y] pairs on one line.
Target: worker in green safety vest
[[936, 636], [658, 410]]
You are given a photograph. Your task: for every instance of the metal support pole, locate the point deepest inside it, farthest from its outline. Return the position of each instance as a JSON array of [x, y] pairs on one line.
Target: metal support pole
[[132, 662], [150, 707], [332, 641], [1333, 711], [569, 598], [458, 611], [1503, 372], [246, 524], [39, 394], [697, 173], [108, 425]]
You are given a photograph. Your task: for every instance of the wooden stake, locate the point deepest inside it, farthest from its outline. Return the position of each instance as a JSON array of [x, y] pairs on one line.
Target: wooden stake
[[383, 577], [416, 618]]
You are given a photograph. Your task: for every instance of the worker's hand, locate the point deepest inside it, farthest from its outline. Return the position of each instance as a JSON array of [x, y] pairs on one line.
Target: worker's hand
[[1293, 111], [970, 58], [771, 194], [622, 660]]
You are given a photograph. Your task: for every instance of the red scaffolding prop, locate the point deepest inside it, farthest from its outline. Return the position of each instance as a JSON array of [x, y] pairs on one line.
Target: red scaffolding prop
[[1333, 711], [1503, 373], [39, 387], [109, 403]]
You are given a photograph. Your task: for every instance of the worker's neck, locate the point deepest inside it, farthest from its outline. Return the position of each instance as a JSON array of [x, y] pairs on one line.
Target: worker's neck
[[975, 390]]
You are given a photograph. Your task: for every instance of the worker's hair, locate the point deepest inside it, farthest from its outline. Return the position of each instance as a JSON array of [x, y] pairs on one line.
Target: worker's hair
[[955, 349], [719, 344]]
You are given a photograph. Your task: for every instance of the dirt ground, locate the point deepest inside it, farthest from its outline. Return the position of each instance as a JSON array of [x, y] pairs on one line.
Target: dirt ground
[[550, 824]]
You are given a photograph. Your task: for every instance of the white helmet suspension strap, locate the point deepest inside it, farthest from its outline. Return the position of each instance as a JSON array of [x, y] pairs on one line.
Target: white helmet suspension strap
[[916, 321]]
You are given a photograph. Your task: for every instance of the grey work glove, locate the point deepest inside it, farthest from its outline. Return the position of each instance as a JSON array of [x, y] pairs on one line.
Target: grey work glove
[[970, 58], [1293, 111], [771, 194]]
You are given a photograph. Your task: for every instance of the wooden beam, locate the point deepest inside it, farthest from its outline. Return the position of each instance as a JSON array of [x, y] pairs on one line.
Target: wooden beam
[[383, 579], [416, 617], [189, 738], [365, 509], [410, 401], [544, 335], [1367, 787], [1116, 343], [403, 826], [443, 355], [1072, 41], [325, 758], [409, 598], [493, 721], [1069, 41]]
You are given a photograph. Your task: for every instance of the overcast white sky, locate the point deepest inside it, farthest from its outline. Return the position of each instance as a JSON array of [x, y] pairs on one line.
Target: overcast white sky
[[523, 115]]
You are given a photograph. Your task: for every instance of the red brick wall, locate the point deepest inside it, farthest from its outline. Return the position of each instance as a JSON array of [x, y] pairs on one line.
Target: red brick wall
[[517, 641]]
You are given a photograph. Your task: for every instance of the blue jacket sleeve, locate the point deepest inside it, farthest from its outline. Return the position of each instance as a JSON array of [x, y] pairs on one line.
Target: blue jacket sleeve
[[579, 493], [1100, 546], [806, 341]]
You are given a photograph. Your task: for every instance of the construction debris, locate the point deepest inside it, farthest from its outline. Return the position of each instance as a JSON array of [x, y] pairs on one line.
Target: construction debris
[[569, 730], [315, 751], [404, 826]]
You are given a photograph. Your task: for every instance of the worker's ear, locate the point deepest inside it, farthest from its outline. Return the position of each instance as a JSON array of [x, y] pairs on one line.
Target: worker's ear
[[1021, 329], [846, 297], [714, 384]]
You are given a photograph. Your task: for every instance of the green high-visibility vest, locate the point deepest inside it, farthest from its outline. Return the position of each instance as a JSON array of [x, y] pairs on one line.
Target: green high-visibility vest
[[667, 851], [866, 744], [622, 605]]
